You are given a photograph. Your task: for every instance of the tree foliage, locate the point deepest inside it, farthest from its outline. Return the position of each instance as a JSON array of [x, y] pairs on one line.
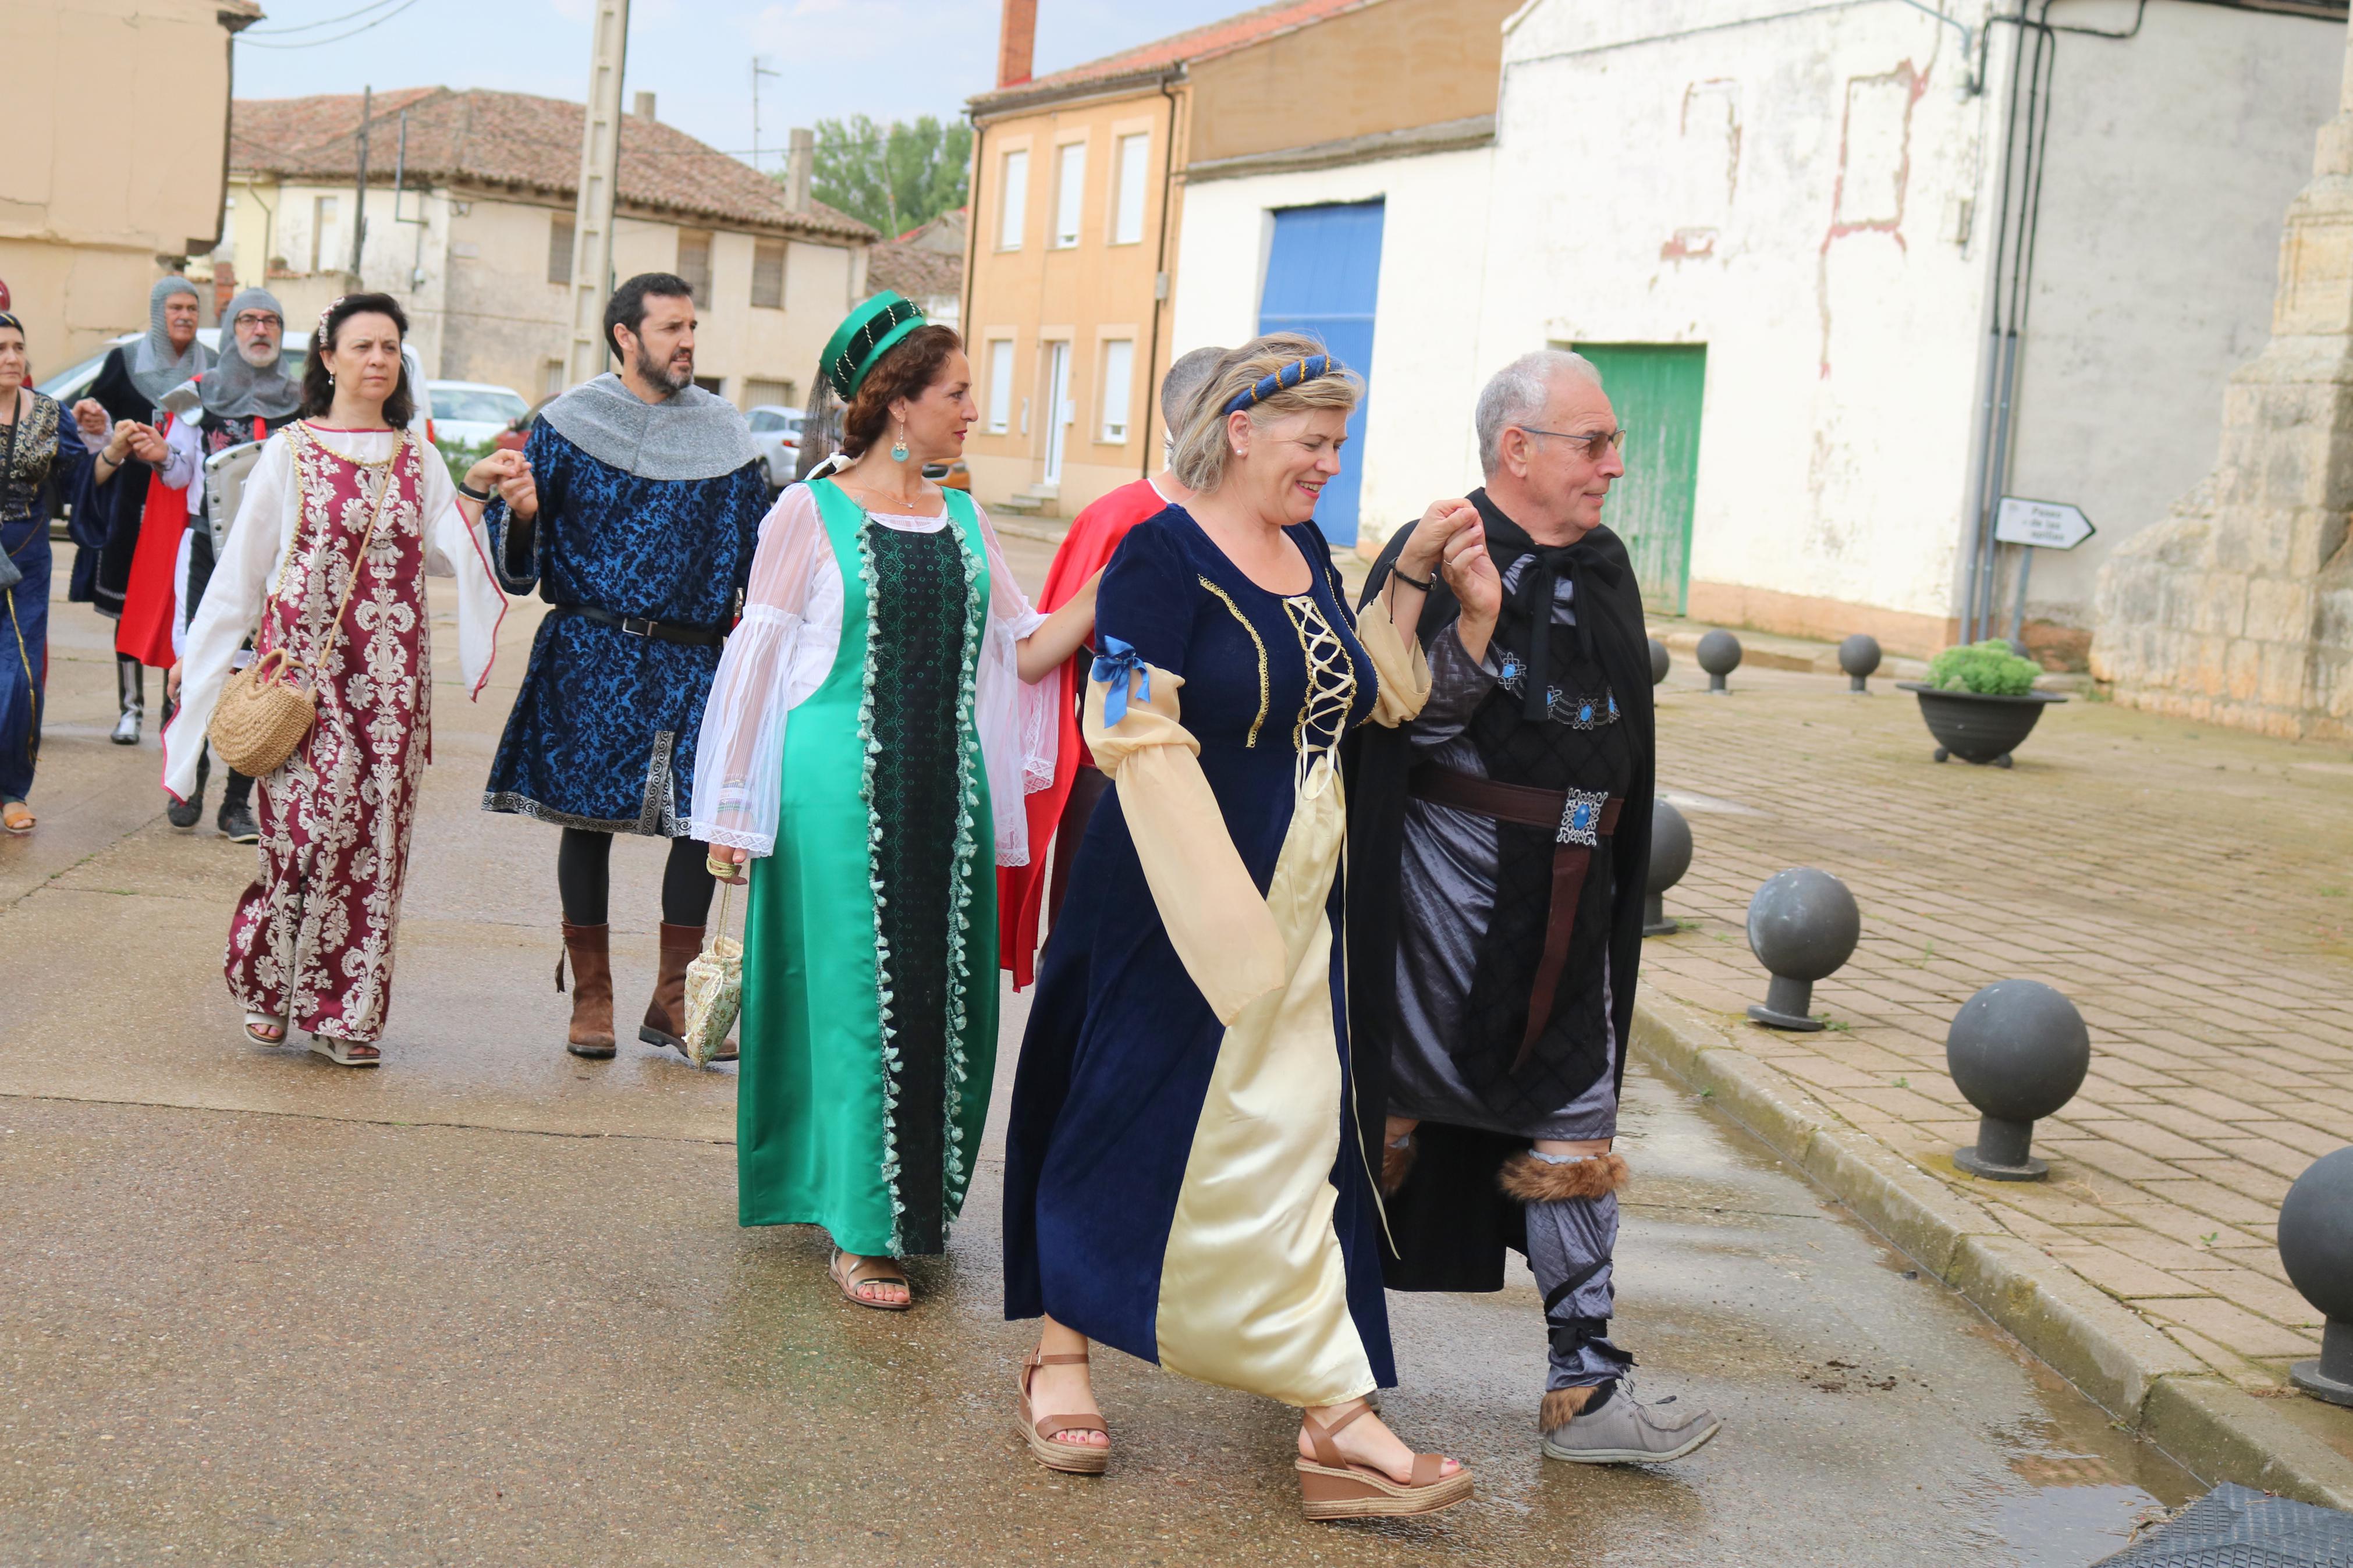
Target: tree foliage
[[895, 176]]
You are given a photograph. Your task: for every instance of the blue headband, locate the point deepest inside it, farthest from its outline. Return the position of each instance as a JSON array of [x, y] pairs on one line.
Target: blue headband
[[1289, 376]]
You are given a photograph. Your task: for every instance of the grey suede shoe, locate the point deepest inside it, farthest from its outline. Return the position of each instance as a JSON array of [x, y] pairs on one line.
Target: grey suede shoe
[[1627, 1432]]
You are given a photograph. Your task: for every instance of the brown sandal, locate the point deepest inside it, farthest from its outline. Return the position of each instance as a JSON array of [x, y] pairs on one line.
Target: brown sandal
[[868, 1271], [1332, 1487], [1070, 1459]]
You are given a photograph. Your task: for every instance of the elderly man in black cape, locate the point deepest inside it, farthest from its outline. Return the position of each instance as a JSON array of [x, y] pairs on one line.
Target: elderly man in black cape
[[1499, 844]]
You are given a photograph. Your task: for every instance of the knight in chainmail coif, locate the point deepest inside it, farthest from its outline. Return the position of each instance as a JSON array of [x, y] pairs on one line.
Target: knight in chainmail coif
[[1495, 920]]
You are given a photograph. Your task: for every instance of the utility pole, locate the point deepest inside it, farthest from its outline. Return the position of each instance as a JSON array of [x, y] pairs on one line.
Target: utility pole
[[600, 164], [758, 70], [359, 196]]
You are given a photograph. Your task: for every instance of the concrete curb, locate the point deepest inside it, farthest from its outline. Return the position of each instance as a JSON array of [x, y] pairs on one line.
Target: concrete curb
[[2212, 1428]]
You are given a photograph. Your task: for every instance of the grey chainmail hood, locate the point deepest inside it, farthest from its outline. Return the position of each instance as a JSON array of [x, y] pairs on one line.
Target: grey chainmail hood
[[156, 367], [237, 389], [694, 434]]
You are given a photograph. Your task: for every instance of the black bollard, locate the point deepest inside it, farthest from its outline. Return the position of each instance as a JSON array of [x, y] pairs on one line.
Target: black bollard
[[1659, 661], [1859, 657], [1719, 654], [2018, 1050], [1671, 853], [1802, 924], [2316, 1243]]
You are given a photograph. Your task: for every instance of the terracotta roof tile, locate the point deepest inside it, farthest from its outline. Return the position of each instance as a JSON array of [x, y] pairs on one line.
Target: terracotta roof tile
[[514, 140], [916, 271], [1181, 48]]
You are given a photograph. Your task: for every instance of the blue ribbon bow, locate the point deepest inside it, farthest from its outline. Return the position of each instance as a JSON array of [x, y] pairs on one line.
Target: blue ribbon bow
[[1116, 663]]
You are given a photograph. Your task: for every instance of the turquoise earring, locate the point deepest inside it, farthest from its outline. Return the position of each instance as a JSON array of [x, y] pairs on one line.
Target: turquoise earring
[[899, 448]]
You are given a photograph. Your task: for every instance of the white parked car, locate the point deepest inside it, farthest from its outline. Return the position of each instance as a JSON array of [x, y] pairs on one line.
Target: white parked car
[[777, 435], [473, 412]]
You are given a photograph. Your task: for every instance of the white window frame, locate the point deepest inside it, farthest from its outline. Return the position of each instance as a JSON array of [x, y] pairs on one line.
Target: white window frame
[[1070, 194], [1012, 197], [1134, 166], [1116, 362], [1000, 385]]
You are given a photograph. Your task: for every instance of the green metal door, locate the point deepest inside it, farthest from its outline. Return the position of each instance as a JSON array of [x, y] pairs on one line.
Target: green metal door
[[1655, 389]]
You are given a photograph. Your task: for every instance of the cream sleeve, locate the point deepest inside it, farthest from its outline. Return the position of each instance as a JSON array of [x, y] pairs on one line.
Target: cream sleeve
[[1397, 659], [1216, 917]]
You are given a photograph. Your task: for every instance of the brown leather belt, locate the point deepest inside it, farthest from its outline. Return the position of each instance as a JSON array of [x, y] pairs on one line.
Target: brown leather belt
[[1579, 820]]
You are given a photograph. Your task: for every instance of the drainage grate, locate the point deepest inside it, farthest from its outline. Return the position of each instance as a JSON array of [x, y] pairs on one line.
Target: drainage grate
[[2233, 1527]]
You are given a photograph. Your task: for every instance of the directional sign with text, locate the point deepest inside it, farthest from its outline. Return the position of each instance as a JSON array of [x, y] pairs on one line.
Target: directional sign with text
[[2047, 524]]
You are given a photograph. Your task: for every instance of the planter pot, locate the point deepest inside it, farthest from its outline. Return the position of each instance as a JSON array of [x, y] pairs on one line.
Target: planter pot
[[1977, 726]]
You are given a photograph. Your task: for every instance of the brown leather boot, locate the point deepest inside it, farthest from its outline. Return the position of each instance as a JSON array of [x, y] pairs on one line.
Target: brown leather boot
[[590, 950], [666, 1014]]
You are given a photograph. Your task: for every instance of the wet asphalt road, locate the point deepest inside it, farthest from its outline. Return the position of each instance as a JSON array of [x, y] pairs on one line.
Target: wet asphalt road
[[489, 1304]]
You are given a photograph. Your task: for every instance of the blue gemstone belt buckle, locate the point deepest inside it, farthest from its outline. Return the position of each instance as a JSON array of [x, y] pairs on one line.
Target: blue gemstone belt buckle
[[1580, 817]]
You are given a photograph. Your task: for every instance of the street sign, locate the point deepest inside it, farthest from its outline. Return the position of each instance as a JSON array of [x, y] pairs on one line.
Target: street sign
[[2047, 524]]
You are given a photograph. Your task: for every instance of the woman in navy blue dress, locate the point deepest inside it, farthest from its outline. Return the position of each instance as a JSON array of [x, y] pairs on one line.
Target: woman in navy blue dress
[[1183, 1176]]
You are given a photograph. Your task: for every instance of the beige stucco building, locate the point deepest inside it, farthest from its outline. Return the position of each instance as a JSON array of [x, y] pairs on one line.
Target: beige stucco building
[[97, 203], [477, 243], [1079, 197]]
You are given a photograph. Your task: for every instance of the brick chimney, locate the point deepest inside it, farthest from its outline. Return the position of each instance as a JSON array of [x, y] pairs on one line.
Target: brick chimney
[[645, 109], [1017, 42], [224, 285], [800, 163]]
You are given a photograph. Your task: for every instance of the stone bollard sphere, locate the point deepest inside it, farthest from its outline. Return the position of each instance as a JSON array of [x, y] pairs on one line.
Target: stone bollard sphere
[[1859, 657], [1670, 856], [1802, 924], [1660, 662], [1719, 654], [2018, 1050], [2315, 1244]]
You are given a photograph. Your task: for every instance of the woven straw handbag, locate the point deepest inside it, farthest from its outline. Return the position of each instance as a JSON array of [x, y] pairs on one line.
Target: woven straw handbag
[[266, 710], [714, 989]]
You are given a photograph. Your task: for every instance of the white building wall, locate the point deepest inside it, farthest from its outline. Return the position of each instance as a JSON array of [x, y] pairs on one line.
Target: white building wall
[[1786, 191], [2173, 158], [1418, 439]]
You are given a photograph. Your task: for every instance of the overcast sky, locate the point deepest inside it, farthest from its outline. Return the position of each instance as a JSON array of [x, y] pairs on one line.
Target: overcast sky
[[887, 59]]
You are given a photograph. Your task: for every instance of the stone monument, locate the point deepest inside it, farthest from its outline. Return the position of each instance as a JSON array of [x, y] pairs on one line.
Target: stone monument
[[2238, 608]]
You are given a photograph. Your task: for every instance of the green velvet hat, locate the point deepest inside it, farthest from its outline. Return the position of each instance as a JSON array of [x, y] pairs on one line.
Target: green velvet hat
[[865, 335]]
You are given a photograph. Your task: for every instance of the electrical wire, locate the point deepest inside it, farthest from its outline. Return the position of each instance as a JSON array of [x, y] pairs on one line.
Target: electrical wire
[[314, 26], [339, 37]]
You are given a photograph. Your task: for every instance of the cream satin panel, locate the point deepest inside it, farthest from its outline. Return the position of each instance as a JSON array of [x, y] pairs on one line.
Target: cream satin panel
[[1253, 1289], [1206, 900]]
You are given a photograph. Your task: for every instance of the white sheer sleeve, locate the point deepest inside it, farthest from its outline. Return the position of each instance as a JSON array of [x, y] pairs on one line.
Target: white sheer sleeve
[[458, 549], [179, 469], [1019, 725], [231, 607], [778, 654]]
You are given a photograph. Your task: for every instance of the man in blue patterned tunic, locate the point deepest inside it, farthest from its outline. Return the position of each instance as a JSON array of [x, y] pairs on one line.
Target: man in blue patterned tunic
[[650, 497]]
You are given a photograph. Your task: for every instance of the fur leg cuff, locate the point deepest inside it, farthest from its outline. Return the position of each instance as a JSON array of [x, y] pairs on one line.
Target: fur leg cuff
[[1535, 1180], [1561, 1406]]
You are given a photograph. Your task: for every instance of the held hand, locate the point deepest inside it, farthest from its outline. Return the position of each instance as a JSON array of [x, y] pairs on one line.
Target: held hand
[[172, 686], [89, 418], [149, 447], [1473, 575], [508, 476], [727, 863], [118, 443], [1440, 524]]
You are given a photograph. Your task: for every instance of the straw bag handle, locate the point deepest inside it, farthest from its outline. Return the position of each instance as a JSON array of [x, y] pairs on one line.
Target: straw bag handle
[[719, 927]]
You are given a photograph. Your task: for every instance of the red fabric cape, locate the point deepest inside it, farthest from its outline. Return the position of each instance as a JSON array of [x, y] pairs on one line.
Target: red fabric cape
[[144, 632], [1086, 549]]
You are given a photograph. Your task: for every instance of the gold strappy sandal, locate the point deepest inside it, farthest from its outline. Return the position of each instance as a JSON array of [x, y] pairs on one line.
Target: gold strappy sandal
[[868, 1271]]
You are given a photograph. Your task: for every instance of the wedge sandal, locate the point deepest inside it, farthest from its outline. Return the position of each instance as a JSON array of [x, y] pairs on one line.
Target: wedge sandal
[[868, 1271], [1331, 1486], [1070, 1459]]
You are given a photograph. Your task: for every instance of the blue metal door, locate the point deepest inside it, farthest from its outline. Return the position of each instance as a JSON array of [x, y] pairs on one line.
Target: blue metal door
[[1324, 278]]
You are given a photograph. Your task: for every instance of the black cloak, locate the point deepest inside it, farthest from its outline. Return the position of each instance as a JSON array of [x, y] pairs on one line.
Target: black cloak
[[1450, 1224]]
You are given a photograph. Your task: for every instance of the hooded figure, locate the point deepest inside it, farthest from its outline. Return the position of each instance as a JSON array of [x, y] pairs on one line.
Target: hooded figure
[[242, 386], [131, 384]]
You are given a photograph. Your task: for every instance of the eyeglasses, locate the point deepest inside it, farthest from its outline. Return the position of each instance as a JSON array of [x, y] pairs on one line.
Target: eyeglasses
[[1597, 443], [255, 318]]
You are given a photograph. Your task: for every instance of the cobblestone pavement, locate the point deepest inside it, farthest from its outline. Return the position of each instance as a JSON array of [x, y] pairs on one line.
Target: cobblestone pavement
[[2187, 887]]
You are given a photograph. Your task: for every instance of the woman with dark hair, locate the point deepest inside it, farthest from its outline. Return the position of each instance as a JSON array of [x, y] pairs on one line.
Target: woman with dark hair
[[33, 464], [343, 517], [873, 728]]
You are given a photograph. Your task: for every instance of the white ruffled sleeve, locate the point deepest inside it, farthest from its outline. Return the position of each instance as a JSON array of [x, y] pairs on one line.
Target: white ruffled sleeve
[[1018, 723], [231, 607], [458, 549], [776, 657]]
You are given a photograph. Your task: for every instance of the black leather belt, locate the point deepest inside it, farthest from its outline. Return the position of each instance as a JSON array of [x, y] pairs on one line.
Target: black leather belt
[[639, 627]]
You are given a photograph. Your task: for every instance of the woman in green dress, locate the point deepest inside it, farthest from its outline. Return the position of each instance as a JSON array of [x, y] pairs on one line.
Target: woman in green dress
[[870, 734]]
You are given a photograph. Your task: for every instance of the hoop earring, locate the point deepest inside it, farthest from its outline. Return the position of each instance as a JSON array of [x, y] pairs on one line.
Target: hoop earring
[[899, 446]]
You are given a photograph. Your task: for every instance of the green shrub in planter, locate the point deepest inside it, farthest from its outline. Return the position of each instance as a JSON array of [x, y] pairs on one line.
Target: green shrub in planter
[[1988, 668]]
